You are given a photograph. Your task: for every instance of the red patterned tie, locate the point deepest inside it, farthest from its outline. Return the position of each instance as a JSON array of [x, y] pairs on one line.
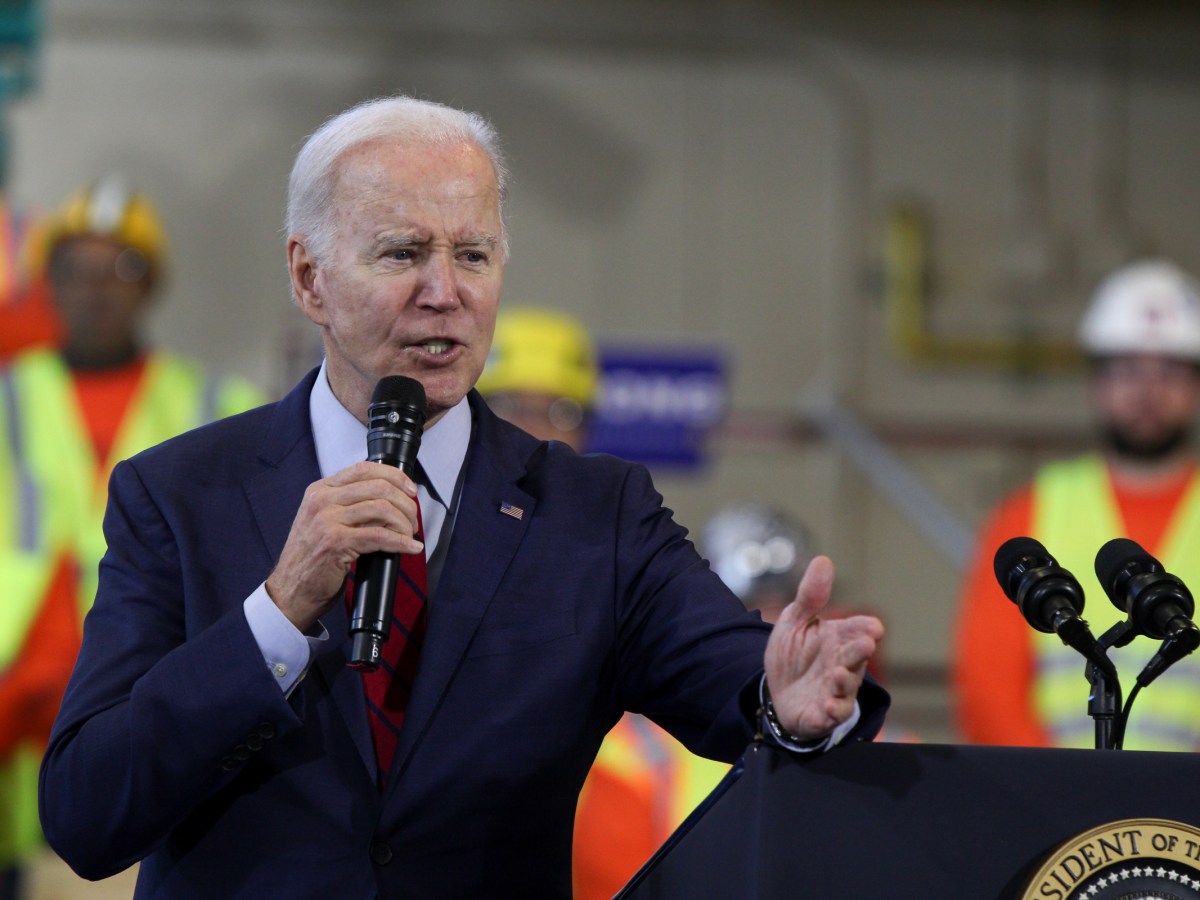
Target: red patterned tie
[[389, 687]]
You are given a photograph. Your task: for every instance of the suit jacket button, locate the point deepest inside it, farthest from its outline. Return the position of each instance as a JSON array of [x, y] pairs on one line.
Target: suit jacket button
[[266, 730], [253, 741], [381, 853], [228, 763]]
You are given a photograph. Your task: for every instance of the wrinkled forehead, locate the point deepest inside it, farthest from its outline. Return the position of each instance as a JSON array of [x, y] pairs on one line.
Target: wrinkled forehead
[[444, 171]]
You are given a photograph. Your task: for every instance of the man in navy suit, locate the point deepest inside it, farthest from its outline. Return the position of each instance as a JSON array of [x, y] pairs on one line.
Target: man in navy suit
[[212, 729]]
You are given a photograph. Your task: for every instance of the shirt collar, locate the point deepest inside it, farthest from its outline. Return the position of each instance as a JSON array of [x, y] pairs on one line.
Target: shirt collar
[[341, 439]]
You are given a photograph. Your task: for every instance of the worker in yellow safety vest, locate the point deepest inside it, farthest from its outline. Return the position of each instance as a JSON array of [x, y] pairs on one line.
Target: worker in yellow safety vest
[[68, 413], [1014, 685]]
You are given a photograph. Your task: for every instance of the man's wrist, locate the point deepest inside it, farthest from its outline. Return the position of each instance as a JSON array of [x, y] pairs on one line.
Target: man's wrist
[[769, 724]]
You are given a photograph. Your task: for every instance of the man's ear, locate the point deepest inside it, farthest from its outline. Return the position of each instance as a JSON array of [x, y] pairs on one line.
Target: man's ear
[[302, 268]]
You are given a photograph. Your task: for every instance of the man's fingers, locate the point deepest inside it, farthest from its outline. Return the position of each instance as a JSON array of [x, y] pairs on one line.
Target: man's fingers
[[813, 593], [855, 639], [861, 626], [380, 512], [855, 654], [367, 502], [369, 471]]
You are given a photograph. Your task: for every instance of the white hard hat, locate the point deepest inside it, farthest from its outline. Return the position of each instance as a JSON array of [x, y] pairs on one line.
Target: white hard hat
[[1146, 307]]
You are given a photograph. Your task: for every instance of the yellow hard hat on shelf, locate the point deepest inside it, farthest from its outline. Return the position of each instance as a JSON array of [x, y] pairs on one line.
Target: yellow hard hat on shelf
[[543, 351], [109, 208]]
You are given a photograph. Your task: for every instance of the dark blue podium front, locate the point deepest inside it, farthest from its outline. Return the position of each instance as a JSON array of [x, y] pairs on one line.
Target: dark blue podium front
[[928, 821]]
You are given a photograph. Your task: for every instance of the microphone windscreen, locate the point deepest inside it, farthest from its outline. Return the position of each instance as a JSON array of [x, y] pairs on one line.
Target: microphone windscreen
[[1113, 557], [1010, 553], [399, 389]]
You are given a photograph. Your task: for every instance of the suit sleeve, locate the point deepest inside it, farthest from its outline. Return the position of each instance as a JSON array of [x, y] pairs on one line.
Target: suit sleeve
[[158, 709], [992, 653], [684, 637]]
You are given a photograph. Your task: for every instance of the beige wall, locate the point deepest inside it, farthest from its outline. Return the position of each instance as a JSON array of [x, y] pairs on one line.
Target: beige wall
[[715, 173]]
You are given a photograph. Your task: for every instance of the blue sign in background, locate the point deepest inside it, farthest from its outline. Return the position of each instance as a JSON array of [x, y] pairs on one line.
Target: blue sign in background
[[657, 406]]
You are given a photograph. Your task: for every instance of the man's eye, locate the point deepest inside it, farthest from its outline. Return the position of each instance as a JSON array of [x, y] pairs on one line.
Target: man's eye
[[474, 256], [403, 255]]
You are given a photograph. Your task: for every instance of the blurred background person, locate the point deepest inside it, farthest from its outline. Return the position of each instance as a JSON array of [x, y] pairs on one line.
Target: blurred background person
[[1015, 685], [68, 412], [760, 553], [541, 374]]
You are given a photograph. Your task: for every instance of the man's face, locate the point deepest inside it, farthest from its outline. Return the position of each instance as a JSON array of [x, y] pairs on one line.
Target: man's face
[[545, 416], [412, 280], [101, 289], [1147, 403]]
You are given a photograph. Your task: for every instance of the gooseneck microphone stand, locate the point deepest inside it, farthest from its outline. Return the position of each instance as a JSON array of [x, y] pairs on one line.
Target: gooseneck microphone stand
[[1104, 702]]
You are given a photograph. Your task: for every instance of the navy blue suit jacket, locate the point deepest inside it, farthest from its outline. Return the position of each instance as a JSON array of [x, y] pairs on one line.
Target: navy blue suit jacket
[[175, 746]]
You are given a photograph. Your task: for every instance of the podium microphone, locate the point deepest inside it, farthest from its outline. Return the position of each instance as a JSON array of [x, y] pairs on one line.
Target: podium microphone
[[1158, 604], [395, 420], [1049, 597], [1051, 600]]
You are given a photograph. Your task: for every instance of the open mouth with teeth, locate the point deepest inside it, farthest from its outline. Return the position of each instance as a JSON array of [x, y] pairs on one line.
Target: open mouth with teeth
[[436, 347]]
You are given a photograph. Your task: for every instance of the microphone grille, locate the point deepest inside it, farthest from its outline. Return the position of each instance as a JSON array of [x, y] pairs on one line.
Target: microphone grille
[[1012, 552], [399, 389], [1113, 557]]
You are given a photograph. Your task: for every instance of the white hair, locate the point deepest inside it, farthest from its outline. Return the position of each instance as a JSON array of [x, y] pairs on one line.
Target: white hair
[[314, 174]]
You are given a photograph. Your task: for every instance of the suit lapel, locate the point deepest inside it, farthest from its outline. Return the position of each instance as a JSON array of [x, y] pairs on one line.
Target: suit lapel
[[483, 543], [288, 465], [482, 546]]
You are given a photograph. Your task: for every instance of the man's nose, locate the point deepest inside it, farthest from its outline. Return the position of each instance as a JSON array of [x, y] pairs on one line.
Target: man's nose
[[439, 288]]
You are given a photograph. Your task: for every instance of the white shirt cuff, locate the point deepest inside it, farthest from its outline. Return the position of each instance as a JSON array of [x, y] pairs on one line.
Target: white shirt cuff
[[285, 650]]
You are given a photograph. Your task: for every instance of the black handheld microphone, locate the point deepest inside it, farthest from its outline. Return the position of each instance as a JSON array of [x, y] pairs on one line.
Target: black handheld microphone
[[1158, 604], [395, 420]]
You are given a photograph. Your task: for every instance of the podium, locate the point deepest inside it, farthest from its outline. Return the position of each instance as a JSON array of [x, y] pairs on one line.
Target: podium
[[928, 821]]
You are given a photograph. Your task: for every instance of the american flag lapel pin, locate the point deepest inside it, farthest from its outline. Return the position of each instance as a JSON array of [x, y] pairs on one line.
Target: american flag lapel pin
[[514, 511]]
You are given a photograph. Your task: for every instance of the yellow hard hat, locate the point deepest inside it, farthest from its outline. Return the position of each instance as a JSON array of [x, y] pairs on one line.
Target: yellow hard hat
[[109, 208], [540, 350]]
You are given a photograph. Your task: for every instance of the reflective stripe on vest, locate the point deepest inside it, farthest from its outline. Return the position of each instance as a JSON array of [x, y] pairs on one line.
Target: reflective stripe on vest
[[1074, 514], [27, 518]]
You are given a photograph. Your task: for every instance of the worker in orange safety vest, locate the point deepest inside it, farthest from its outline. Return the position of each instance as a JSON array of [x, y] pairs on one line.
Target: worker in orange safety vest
[[68, 412], [1015, 685]]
